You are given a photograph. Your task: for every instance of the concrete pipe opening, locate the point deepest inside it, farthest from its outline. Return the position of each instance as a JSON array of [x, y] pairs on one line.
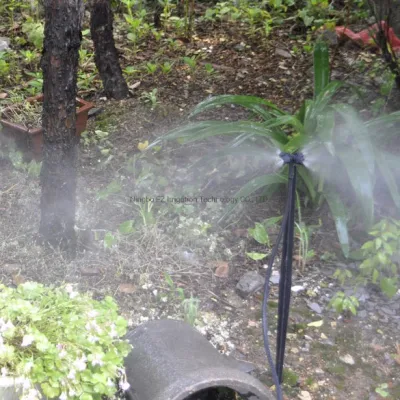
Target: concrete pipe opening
[[171, 360]]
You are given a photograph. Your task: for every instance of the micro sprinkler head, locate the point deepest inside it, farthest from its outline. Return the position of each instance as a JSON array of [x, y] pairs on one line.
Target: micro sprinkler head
[[294, 158]]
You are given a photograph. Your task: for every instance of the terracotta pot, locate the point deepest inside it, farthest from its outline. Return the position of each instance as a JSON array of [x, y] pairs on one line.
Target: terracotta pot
[[33, 138]]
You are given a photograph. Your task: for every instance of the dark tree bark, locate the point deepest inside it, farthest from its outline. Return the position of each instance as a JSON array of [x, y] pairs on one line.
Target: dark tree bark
[[105, 53], [58, 175]]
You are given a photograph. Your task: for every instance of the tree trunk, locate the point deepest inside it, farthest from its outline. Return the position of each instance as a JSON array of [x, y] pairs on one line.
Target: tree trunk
[[105, 53], [59, 63]]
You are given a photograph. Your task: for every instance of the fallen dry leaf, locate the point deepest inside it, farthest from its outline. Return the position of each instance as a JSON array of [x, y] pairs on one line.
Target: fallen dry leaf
[[222, 270], [376, 347], [397, 356], [316, 324], [126, 288], [240, 232], [18, 279], [3, 95]]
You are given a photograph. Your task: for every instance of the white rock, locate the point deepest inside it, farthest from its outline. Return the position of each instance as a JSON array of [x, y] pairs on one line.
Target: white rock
[[347, 359], [304, 395]]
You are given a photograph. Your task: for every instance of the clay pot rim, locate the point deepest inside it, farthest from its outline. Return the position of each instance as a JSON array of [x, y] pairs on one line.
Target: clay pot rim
[[85, 106]]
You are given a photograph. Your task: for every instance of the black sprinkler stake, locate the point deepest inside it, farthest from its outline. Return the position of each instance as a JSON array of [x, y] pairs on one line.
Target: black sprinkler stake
[[285, 281]]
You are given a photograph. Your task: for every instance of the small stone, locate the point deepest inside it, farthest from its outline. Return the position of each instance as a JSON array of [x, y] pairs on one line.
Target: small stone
[[282, 53], [347, 359], [240, 47], [95, 111], [304, 395], [249, 283], [4, 43], [388, 311], [87, 271], [189, 257], [362, 314], [275, 277], [297, 288], [315, 307], [319, 371], [327, 342]]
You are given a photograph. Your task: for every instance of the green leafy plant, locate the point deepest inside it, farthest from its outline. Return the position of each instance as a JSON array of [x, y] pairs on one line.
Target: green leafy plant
[[176, 291], [342, 275], [4, 64], [260, 234], [62, 342], [166, 67], [138, 28], [35, 85], [379, 265], [189, 305], [341, 302], [304, 252], [130, 70], [98, 138], [17, 159], [352, 149], [191, 62], [113, 188], [151, 68], [151, 97], [147, 214], [209, 68], [34, 31], [382, 390], [30, 57], [191, 309]]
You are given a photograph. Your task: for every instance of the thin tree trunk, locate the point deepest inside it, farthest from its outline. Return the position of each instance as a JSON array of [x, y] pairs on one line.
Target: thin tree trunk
[[105, 53], [58, 175]]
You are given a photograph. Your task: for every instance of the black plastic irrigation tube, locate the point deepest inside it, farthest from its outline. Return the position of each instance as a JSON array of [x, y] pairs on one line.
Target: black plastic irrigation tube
[[285, 281]]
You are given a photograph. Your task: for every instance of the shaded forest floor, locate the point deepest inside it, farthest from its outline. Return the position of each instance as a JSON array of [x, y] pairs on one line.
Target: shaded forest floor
[[340, 359]]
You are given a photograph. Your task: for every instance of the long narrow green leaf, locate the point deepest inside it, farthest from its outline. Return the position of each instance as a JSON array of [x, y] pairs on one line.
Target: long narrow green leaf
[[321, 67], [339, 214], [252, 186], [296, 142], [203, 130], [326, 126], [284, 120], [227, 151], [386, 170], [306, 177], [383, 120], [357, 134], [361, 181], [250, 102], [319, 106]]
